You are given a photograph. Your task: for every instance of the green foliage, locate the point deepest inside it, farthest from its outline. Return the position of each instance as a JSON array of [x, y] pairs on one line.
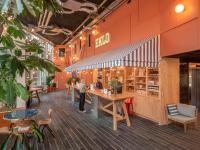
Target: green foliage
[[69, 81], [49, 79], [53, 84], [17, 55], [34, 7], [115, 84], [19, 141], [73, 80]]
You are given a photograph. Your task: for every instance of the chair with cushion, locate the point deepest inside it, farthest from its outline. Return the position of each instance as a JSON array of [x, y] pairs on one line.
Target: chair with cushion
[[44, 124], [182, 113]]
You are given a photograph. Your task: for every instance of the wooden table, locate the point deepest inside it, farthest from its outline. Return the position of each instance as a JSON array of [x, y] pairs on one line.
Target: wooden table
[[32, 91], [113, 100]]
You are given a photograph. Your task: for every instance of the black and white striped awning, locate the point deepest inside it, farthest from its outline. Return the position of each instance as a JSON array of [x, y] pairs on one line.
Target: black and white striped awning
[[144, 53]]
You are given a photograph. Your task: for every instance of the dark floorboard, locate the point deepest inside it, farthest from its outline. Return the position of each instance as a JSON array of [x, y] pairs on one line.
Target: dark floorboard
[[80, 131]]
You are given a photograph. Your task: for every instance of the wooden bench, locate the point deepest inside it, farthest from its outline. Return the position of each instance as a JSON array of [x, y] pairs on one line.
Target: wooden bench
[[187, 114]]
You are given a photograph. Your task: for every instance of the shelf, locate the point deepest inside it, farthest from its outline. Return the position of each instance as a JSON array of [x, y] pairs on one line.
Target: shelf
[[140, 76], [140, 83], [149, 85], [143, 89], [155, 91], [130, 79], [130, 85]]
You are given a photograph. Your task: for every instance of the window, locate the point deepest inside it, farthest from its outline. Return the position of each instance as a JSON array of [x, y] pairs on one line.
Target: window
[[61, 52], [89, 40]]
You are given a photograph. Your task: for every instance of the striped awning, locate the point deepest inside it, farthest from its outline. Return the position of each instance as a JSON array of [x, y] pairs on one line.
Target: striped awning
[[144, 53]]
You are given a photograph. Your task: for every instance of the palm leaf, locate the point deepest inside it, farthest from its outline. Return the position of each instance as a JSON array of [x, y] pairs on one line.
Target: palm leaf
[[5, 144], [21, 91]]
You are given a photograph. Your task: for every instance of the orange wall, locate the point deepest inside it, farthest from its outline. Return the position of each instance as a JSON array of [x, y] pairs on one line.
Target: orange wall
[[61, 77], [143, 18]]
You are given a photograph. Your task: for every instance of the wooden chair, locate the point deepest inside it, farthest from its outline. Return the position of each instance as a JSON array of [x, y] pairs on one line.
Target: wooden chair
[[5, 130], [44, 124]]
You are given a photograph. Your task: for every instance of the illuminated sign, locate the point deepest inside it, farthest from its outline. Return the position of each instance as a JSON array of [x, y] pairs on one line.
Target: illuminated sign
[[102, 40]]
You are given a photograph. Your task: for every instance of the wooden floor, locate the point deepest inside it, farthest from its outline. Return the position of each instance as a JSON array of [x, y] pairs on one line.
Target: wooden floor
[[75, 130]]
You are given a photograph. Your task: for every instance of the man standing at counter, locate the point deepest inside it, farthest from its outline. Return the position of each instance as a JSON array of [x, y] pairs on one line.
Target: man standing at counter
[[82, 88]]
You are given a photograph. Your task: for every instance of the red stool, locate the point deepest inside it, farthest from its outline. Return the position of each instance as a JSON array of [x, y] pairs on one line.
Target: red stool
[[129, 105]]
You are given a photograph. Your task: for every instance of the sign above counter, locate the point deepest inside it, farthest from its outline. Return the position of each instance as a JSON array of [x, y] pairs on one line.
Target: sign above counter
[[104, 39]]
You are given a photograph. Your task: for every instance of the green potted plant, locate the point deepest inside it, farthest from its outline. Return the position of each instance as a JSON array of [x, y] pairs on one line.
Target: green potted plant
[[116, 86], [69, 81], [49, 80], [18, 55], [53, 85]]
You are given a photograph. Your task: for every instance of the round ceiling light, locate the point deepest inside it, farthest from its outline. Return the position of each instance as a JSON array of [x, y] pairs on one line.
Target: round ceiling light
[[179, 8]]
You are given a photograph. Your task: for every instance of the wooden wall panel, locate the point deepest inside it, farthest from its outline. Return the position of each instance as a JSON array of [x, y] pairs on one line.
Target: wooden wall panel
[[169, 74]]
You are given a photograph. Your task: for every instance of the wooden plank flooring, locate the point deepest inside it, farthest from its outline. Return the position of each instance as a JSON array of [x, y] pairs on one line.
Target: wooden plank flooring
[[80, 131]]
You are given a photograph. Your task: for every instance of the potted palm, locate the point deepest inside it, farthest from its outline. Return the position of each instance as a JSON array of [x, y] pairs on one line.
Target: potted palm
[[17, 56]]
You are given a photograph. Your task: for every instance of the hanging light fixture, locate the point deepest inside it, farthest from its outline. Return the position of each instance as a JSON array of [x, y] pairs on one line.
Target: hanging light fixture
[[179, 8]]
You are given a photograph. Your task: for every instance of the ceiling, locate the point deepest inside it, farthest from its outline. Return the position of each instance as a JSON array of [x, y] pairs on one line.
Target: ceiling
[[76, 16], [192, 56]]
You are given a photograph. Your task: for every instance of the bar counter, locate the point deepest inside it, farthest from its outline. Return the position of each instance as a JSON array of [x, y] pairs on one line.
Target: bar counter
[[109, 104]]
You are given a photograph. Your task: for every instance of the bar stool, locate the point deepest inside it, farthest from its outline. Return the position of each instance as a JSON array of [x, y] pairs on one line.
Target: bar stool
[[129, 106]]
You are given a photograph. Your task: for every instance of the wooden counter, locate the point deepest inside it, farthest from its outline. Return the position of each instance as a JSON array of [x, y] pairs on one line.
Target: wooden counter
[[116, 97], [111, 107]]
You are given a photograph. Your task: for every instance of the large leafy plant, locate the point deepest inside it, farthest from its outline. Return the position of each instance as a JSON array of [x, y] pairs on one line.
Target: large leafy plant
[[18, 55]]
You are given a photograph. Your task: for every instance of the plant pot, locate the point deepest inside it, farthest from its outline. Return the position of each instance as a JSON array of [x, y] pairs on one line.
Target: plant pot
[[49, 89]]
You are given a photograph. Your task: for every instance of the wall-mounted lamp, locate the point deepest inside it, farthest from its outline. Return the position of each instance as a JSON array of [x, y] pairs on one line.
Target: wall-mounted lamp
[[93, 32], [81, 38], [179, 8], [73, 57]]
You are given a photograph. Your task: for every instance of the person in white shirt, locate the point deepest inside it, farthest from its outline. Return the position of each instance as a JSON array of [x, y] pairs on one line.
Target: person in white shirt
[[82, 88]]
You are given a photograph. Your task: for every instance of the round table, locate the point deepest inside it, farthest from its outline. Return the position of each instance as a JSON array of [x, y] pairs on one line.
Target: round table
[[21, 114]]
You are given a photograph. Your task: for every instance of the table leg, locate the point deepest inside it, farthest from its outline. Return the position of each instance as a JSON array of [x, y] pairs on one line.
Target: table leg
[[126, 115], [114, 116], [38, 96], [73, 94]]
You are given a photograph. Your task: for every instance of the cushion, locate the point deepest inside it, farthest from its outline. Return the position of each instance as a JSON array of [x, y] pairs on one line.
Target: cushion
[[181, 118], [172, 109], [187, 110]]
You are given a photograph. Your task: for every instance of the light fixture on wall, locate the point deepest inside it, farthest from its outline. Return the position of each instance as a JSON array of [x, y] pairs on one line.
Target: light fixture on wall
[[179, 8], [74, 58], [93, 32], [81, 38]]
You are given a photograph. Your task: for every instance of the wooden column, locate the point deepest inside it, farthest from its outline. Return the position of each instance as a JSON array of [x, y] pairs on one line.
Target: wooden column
[[170, 84]]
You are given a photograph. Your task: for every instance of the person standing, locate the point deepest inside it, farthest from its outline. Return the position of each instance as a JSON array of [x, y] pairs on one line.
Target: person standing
[[82, 88], [99, 85]]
